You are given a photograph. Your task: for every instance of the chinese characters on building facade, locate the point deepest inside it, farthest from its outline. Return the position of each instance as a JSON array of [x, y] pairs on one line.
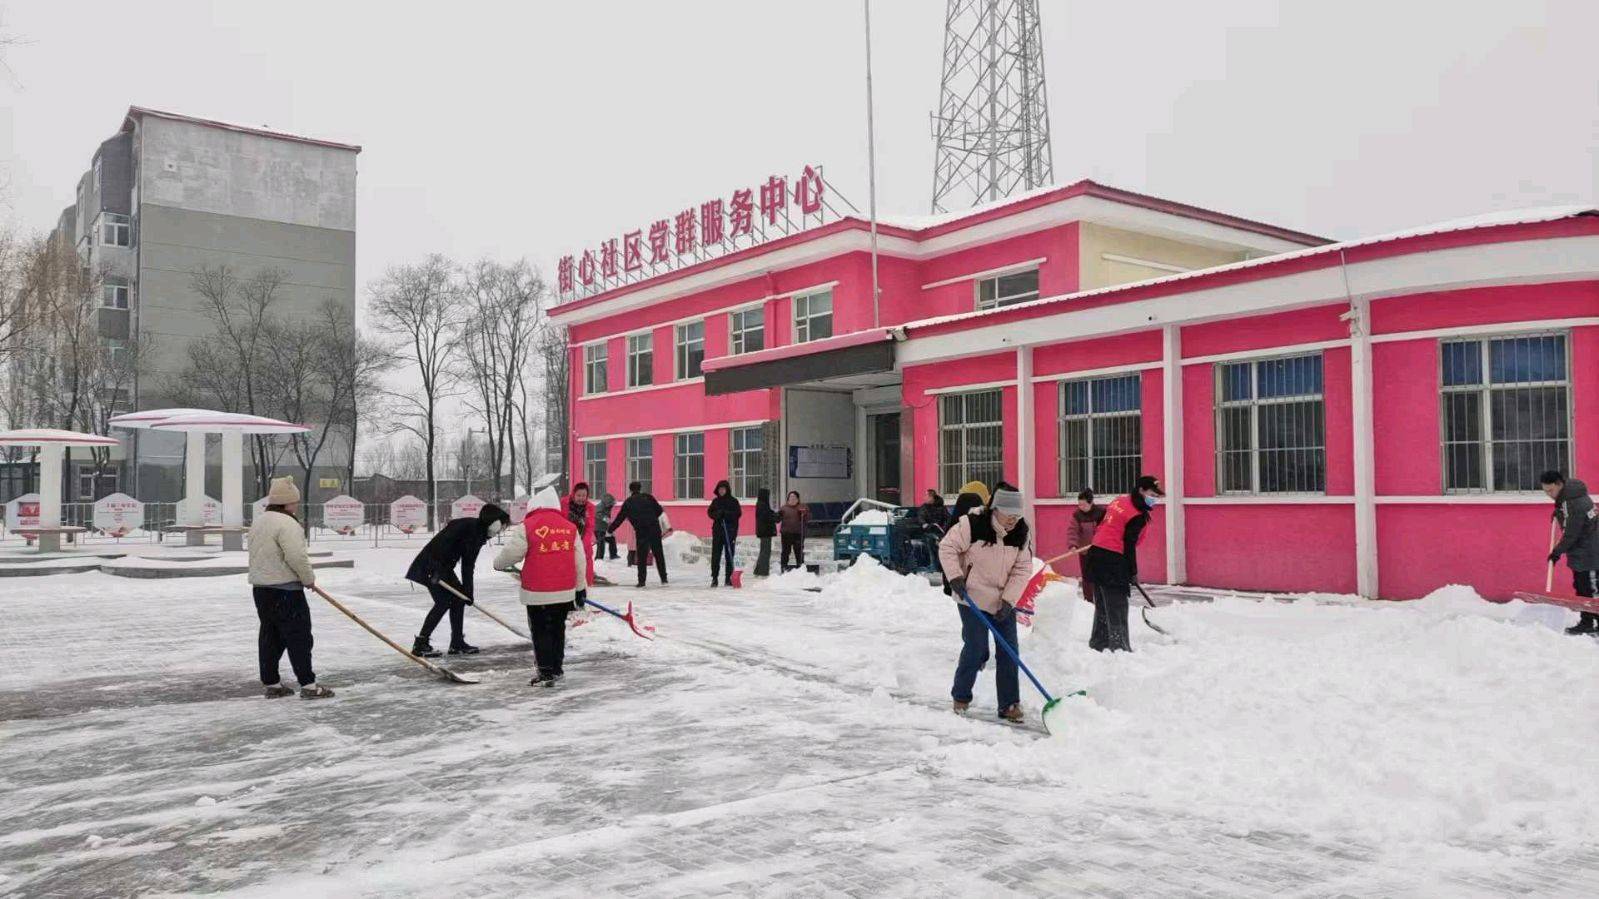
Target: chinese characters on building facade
[[779, 207]]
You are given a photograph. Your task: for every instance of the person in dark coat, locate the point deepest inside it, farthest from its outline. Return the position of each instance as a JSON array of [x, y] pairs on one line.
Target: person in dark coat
[[602, 512], [1578, 541], [1080, 534], [967, 501], [932, 512], [643, 513], [1111, 563], [791, 521], [434, 567], [765, 530], [724, 513]]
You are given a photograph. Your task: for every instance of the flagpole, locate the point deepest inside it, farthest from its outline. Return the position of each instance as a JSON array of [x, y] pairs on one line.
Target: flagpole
[[871, 166]]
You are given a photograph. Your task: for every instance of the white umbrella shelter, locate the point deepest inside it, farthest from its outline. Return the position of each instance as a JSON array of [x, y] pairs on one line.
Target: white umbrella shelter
[[232, 426], [52, 445], [193, 457]]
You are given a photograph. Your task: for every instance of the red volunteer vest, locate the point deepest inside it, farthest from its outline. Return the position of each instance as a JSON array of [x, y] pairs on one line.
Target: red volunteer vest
[[551, 543], [1112, 531]]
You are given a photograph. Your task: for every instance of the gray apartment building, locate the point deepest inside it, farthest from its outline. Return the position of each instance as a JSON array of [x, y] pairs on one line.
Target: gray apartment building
[[168, 195]]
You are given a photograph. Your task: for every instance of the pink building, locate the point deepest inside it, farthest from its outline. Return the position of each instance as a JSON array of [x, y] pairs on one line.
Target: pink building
[[1367, 416]]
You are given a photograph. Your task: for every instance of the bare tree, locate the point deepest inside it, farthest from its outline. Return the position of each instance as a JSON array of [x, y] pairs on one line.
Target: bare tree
[[61, 295], [419, 306], [505, 308], [14, 308]]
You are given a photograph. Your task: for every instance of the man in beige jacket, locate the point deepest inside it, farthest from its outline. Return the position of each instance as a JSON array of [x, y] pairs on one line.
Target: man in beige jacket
[[989, 556], [280, 570]]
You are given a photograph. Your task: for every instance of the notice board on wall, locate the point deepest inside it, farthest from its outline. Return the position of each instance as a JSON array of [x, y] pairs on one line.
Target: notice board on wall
[[828, 461]]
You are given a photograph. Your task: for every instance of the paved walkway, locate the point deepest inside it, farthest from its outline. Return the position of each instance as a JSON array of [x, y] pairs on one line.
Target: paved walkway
[[698, 766]]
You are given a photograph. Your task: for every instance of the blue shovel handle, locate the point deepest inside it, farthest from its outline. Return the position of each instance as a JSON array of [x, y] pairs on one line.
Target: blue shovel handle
[[1005, 645]]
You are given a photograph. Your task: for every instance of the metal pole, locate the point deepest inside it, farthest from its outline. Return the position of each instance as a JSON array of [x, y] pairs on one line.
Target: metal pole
[[871, 166]]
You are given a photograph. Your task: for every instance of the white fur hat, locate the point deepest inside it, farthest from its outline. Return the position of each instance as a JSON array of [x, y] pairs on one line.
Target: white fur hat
[[545, 499]]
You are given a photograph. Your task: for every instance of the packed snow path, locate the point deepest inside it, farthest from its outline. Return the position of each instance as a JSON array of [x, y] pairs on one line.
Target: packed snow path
[[777, 741]]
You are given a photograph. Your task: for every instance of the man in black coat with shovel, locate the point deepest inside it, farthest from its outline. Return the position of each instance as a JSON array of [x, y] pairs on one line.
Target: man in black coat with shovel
[[459, 541], [642, 512]]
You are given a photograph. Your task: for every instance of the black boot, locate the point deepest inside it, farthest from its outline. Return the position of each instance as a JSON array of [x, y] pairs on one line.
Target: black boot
[[423, 649], [463, 648], [1587, 624]]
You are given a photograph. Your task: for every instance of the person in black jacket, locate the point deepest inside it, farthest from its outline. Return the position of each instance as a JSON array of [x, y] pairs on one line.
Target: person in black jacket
[[434, 566], [642, 512], [964, 504], [724, 512], [602, 539], [1111, 563], [765, 530]]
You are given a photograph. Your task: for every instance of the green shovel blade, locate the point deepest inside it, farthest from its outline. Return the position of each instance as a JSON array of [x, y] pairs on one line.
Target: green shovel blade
[[1054, 715]]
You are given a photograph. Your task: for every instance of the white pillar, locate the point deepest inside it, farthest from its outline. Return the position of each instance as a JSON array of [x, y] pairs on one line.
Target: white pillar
[[232, 479], [1360, 382], [194, 479], [1024, 430], [50, 486], [1171, 419]]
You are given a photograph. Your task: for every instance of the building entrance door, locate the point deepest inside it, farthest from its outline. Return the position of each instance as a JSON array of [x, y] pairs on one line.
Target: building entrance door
[[884, 430]]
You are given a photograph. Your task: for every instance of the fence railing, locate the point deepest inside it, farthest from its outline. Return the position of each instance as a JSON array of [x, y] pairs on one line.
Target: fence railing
[[160, 518]]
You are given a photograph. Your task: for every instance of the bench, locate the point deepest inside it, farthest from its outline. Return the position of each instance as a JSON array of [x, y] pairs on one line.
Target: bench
[[49, 538]]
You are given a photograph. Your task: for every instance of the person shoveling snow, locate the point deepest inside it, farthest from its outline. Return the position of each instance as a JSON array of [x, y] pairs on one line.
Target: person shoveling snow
[[549, 550], [1574, 533]]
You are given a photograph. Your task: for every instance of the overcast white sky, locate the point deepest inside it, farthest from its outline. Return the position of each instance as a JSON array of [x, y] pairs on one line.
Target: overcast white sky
[[536, 128]]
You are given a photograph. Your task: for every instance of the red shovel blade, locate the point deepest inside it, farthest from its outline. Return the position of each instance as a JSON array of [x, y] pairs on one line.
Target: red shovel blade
[[736, 579], [1575, 603], [633, 623]]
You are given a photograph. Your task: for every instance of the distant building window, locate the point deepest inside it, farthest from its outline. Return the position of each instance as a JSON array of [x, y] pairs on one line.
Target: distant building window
[[688, 481], [1271, 426], [1005, 290], [1101, 434], [813, 316], [748, 328], [594, 357], [114, 296], [116, 230], [690, 353], [745, 447], [971, 439], [594, 467], [1506, 411], [91, 488], [640, 360], [641, 461]]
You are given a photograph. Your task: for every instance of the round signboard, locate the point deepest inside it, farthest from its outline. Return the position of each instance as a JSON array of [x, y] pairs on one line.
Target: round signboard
[[466, 507], [118, 515], [343, 514], [408, 514]]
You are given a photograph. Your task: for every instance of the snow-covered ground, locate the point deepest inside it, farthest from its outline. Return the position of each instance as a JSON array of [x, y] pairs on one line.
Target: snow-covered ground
[[780, 741]]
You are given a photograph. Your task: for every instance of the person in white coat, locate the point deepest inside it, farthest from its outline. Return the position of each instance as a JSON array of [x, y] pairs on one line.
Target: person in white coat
[[549, 550], [280, 570]]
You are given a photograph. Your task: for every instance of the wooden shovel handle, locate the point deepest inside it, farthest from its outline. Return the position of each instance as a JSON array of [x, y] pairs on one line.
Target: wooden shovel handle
[[1549, 576]]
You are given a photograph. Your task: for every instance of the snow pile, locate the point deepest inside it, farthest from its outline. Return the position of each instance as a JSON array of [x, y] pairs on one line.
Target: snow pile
[[682, 548], [871, 516]]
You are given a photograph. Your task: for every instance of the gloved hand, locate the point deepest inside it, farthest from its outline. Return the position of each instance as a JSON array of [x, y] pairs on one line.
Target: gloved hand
[[957, 585], [581, 595], [1553, 558]]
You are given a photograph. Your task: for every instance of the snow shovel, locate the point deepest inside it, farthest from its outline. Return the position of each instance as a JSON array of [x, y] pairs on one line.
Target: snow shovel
[[631, 622], [1052, 713], [437, 669], [1145, 611], [735, 576], [1574, 603], [497, 619]]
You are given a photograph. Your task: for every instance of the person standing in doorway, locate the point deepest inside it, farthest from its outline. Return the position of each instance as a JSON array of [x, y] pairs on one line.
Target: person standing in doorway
[[765, 530], [792, 519], [988, 556], [1080, 535], [724, 512], [280, 570], [434, 568], [1579, 540], [643, 513], [1111, 563], [550, 551]]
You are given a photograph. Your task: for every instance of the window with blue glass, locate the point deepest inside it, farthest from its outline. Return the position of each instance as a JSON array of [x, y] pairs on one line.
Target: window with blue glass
[[1271, 426], [1101, 434], [1506, 411]]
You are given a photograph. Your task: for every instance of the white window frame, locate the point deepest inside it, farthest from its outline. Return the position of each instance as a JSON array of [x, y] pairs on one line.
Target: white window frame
[[745, 466], [1254, 404], [596, 363], [121, 292], [643, 474], [736, 340], [682, 347], [638, 346], [683, 452], [86, 478], [123, 225], [1090, 418], [803, 323], [1484, 391], [1000, 301], [597, 486]]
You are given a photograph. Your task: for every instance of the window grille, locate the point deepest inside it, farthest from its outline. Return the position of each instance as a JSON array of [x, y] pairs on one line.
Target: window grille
[[1101, 434], [971, 439], [688, 481], [594, 464], [1506, 411], [744, 462], [641, 462], [1271, 426]]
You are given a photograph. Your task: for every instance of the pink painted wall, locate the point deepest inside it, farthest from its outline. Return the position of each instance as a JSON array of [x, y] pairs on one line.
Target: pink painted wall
[[1486, 305], [1498, 549], [1057, 275], [923, 407], [1264, 332], [1199, 431], [1265, 547], [1405, 416], [1104, 352]]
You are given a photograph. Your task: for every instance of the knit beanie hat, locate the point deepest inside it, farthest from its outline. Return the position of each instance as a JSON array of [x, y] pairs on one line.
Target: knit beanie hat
[[977, 487], [1007, 501], [283, 491]]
